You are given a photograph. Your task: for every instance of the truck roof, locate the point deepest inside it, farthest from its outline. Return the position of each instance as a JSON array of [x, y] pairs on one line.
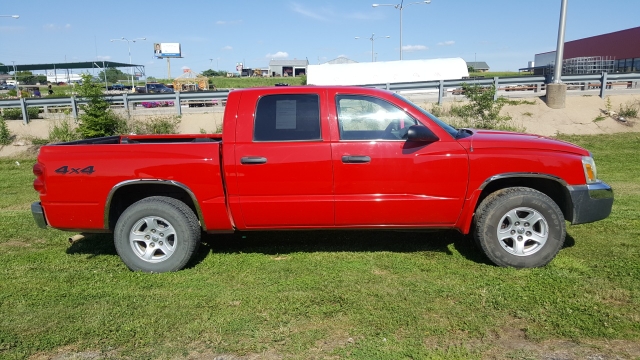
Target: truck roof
[[305, 88]]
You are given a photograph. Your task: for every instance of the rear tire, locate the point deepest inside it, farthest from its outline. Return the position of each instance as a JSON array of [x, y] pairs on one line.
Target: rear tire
[[519, 227], [157, 234]]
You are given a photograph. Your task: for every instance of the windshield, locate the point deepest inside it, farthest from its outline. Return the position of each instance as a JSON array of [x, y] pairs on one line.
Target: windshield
[[448, 128]]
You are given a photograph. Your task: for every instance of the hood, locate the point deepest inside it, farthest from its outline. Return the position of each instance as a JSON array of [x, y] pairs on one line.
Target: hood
[[491, 139]]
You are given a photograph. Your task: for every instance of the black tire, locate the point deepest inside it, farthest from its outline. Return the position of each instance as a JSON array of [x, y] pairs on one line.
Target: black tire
[[157, 234], [519, 227]]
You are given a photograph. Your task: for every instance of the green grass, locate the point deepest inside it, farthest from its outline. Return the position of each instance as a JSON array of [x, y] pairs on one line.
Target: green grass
[[301, 295], [247, 82], [222, 82]]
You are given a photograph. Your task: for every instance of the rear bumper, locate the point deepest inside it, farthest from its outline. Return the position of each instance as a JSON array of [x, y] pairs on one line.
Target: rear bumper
[[591, 202], [38, 215]]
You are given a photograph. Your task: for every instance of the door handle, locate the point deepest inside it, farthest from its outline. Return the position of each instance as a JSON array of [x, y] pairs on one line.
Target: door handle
[[250, 160], [355, 159]]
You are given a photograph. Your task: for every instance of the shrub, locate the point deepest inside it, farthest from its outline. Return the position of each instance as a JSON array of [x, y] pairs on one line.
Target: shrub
[[12, 92], [482, 111], [16, 113], [5, 134], [98, 119], [437, 110], [628, 111], [33, 112], [62, 131], [12, 114], [157, 125]]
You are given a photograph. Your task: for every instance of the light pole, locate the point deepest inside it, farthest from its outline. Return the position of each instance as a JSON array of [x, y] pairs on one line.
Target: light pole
[[129, 47], [373, 38], [15, 78], [400, 7], [211, 60]]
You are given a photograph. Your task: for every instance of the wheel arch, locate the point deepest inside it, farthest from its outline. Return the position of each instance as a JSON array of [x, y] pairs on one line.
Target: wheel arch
[[552, 186], [125, 193]]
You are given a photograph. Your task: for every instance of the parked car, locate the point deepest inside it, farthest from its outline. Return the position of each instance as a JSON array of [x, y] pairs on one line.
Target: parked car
[[154, 88], [292, 158], [7, 87]]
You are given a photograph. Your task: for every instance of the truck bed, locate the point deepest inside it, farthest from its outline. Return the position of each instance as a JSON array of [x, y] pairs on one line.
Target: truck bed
[[147, 139], [82, 178]]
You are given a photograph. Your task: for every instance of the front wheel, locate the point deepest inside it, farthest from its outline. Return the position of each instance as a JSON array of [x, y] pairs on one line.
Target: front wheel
[[519, 227], [157, 234]]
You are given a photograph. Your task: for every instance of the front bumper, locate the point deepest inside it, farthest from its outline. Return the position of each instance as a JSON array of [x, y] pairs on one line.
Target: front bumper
[[591, 202], [38, 215]]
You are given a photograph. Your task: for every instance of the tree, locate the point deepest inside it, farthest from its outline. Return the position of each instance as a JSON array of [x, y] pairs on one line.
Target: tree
[[27, 78], [113, 75], [471, 69], [211, 73], [98, 119]]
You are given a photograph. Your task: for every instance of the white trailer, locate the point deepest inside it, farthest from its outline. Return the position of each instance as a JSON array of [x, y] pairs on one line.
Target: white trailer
[[384, 72]]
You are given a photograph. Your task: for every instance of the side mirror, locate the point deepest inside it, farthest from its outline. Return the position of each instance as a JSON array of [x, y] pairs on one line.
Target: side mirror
[[421, 133]]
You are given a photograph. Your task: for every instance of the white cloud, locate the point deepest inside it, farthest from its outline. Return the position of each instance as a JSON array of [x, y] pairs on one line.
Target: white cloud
[[307, 12], [103, 57], [56, 27], [227, 48], [410, 48], [11, 29], [278, 55], [446, 43]]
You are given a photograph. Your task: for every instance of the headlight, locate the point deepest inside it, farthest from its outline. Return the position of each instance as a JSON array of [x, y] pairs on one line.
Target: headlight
[[589, 166]]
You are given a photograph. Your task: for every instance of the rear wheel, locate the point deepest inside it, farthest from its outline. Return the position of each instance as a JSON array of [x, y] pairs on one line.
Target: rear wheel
[[519, 227], [157, 234]]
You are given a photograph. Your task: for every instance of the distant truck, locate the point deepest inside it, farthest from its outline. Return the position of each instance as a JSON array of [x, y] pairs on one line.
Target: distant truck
[[152, 88]]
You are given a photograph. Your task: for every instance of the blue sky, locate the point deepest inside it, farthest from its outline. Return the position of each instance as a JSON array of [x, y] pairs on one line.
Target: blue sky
[[504, 33]]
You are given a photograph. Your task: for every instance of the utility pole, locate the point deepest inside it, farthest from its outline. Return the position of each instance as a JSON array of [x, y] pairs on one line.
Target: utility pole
[[557, 91]]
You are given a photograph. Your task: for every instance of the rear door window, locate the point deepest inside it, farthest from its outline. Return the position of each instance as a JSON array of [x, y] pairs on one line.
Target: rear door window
[[287, 117]]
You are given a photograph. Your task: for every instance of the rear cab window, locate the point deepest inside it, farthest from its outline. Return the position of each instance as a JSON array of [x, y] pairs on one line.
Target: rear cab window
[[287, 117]]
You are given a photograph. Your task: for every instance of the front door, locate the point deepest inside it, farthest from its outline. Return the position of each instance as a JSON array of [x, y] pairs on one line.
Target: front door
[[382, 179]]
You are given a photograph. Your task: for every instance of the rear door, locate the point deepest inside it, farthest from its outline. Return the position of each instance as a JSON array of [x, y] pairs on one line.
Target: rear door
[[283, 160]]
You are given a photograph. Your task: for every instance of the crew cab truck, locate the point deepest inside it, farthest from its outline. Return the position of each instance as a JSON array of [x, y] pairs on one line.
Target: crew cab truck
[[320, 158]]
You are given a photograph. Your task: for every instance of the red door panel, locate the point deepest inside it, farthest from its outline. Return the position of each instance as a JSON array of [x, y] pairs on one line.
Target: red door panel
[[401, 185], [283, 163]]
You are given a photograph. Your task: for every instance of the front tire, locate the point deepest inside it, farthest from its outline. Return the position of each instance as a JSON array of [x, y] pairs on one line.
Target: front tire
[[519, 227], [157, 234]]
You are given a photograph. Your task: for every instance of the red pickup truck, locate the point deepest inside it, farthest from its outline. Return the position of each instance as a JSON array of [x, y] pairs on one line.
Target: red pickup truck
[[320, 158]]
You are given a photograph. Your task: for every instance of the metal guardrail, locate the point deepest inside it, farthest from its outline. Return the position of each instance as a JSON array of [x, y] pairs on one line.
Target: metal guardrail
[[537, 83], [124, 99]]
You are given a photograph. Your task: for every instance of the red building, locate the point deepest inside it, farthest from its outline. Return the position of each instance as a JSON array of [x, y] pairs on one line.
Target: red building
[[621, 46]]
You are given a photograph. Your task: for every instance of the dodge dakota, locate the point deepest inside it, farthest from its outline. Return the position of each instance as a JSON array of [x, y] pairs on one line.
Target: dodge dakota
[[320, 158]]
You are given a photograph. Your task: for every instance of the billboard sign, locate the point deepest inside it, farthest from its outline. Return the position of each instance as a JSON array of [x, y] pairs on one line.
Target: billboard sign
[[161, 50]]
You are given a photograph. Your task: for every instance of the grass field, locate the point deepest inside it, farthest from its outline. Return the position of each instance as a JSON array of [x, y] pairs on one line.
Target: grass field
[[317, 295]]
